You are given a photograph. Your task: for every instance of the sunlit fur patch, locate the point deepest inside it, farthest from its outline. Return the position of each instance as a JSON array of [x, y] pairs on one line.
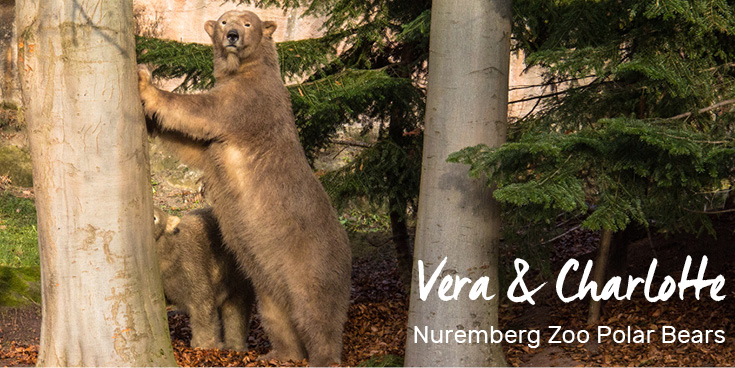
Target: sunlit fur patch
[[234, 161], [171, 224]]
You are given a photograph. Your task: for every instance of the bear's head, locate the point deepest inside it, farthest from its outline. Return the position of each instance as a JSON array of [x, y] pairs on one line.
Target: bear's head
[[163, 223], [236, 35]]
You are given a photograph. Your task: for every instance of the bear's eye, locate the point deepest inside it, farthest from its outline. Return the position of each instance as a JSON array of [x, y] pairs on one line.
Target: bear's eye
[[247, 25], [224, 22]]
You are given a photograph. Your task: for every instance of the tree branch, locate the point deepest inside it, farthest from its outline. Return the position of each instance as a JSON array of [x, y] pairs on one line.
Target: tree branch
[[710, 212], [549, 83], [558, 92], [352, 143], [709, 108], [560, 235]]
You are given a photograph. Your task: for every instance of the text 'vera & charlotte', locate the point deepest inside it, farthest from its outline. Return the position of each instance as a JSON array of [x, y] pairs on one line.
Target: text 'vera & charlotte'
[[452, 288]]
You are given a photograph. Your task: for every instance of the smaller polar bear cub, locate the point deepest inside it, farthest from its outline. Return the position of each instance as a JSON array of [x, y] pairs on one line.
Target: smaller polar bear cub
[[201, 277]]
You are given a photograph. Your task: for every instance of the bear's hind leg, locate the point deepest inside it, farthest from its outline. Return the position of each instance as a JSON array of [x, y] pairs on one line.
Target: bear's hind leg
[[321, 324], [236, 322], [285, 342], [205, 326]]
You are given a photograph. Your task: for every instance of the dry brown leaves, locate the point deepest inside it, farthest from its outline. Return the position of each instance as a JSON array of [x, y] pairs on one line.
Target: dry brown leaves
[[19, 354], [376, 324], [378, 315]]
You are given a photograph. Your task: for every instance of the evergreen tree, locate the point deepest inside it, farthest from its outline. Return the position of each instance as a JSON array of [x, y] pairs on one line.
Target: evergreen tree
[[637, 124], [641, 127], [376, 77]]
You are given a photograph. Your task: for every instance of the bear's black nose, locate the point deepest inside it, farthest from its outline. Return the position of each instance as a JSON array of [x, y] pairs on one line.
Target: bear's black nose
[[232, 36]]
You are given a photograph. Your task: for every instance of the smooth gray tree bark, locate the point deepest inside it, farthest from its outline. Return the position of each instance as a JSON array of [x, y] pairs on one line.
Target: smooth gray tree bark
[[102, 296], [457, 218]]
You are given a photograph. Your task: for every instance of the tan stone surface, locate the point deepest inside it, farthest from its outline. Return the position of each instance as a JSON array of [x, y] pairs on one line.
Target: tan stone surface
[[183, 20], [523, 84]]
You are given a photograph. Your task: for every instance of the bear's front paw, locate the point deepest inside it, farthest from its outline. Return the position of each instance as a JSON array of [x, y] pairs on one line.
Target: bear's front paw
[[144, 77]]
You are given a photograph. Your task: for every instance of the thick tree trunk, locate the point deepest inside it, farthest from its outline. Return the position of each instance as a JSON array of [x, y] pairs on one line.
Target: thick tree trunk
[[102, 295], [457, 219]]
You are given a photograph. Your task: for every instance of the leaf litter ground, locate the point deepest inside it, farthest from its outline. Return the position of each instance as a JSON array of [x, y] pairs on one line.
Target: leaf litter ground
[[378, 315]]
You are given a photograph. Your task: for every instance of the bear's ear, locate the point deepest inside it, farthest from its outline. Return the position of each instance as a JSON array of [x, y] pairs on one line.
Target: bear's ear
[[172, 223], [209, 27], [269, 27]]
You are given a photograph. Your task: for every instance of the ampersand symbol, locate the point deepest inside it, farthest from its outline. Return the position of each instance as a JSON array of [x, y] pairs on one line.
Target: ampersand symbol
[[521, 268]]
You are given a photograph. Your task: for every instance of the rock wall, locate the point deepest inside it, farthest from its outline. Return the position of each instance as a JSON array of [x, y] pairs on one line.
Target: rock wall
[[183, 20], [523, 85]]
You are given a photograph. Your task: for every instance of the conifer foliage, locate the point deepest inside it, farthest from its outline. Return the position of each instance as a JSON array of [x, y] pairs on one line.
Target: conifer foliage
[[639, 121]]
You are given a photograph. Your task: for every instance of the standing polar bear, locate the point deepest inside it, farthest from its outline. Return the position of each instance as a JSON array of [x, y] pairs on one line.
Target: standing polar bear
[[273, 212]]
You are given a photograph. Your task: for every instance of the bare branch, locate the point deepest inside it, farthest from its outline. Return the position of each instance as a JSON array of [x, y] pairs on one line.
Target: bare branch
[[710, 212], [352, 143], [550, 83], [700, 111], [560, 235]]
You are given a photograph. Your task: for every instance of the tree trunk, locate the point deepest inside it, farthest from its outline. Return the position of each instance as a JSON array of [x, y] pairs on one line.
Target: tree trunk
[[612, 260], [599, 273], [457, 219], [102, 295], [402, 241], [397, 203]]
